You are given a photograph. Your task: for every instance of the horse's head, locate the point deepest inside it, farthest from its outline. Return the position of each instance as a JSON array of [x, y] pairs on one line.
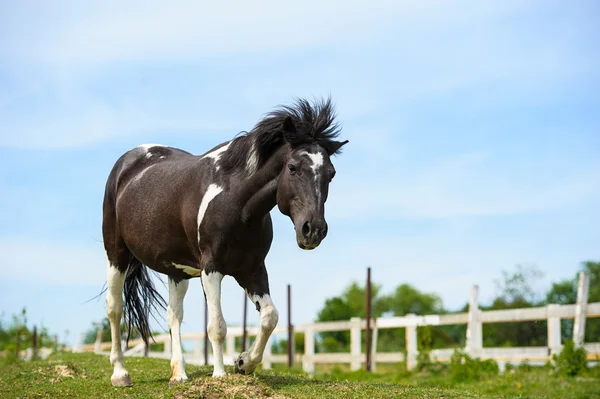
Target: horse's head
[[304, 185]]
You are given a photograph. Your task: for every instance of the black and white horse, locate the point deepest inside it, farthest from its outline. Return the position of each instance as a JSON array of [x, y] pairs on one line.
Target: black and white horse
[[208, 216]]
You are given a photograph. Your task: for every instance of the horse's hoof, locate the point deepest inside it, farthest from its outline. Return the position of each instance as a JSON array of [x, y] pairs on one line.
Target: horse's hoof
[[122, 381], [238, 366], [177, 381]]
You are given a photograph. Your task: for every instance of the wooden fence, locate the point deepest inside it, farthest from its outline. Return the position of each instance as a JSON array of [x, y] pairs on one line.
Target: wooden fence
[[474, 319]]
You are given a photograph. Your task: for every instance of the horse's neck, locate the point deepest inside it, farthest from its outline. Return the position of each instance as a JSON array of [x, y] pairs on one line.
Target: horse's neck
[[259, 191]]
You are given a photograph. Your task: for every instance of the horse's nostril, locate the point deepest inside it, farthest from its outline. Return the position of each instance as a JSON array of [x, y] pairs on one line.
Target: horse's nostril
[[306, 229]]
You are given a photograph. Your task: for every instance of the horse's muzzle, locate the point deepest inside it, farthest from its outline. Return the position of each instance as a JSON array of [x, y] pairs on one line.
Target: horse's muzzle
[[310, 235]]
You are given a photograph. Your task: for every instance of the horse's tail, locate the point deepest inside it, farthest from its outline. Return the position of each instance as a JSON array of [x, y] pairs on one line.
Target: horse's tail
[[141, 300]]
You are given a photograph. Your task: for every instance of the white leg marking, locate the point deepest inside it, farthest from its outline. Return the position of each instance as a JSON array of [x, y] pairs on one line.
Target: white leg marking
[[268, 321], [174, 317], [252, 160], [212, 191], [217, 329], [189, 270], [114, 311]]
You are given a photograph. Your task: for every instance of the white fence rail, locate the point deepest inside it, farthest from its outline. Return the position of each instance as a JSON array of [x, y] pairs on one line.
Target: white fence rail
[[474, 319]]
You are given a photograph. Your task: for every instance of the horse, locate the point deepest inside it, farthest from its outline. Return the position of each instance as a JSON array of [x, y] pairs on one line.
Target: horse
[[208, 216]]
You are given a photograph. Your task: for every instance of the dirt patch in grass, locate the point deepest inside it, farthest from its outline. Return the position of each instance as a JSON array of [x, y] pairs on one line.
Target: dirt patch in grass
[[57, 372], [230, 386]]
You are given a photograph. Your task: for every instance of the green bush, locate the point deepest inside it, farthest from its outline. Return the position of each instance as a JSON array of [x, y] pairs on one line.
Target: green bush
[[570, 361], [465, 368]]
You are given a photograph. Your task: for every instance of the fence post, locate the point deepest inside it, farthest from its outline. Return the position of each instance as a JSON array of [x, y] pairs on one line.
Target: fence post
[[411, 342], [267, 355], [244, 328], [308, 364], [205, 332], [97, 344], [583, 288], [230, 345], [368, 337], [198, 349], [34, 343], [79, 345], [167, 348], [291, 344], [554, 339], [355, 331], [474, 325], [374, 346]]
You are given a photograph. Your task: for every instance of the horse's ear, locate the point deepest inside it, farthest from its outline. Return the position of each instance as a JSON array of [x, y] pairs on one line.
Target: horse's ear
[[336, 145], [289, 129]]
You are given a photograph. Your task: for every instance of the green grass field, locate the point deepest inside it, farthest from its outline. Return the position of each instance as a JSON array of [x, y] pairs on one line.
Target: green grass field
[[88, 376]]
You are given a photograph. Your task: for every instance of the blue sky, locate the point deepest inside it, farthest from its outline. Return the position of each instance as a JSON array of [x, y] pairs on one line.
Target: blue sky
[[474, 137]]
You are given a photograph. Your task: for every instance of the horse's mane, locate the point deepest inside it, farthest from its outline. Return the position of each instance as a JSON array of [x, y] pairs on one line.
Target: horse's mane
[[314, 123]]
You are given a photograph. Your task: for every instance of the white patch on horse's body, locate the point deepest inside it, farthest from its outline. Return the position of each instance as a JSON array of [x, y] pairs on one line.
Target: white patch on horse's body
[[177, 292], [147, 147], [216, 154], [268, 321], [217, 328], [211, 192], [252, 160], [189, 270]]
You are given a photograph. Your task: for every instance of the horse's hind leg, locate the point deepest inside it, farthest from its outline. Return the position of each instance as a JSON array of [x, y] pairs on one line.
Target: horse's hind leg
[[115, 277], [177, 291], [257, 289]]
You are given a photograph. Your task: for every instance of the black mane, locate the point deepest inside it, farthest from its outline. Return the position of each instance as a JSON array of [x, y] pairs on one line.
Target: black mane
[[314, 123]]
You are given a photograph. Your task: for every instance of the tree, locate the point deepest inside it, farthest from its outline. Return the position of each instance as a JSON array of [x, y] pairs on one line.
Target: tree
[[17, 336], [565, 293], [515, 290], [90, 335], [407, 299], [352, 303]]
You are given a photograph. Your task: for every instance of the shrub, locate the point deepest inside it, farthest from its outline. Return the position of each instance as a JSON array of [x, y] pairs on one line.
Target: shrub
[[465, 368], [570, 361]]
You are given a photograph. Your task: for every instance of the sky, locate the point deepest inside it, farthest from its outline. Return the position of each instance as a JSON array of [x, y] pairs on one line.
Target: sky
[[474, 133]]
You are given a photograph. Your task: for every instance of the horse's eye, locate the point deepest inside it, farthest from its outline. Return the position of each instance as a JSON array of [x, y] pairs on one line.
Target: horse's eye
[[292, 168]]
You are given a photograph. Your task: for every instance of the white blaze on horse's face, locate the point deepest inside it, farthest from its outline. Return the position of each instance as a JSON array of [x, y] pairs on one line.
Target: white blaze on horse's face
[[317, 161], [302, 191]]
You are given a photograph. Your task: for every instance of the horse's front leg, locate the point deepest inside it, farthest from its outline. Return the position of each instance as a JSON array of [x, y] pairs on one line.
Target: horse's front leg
[[257, 289], [217, 329]]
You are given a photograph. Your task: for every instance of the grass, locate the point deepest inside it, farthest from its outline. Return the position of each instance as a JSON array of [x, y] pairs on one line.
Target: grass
[[87, 375]]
